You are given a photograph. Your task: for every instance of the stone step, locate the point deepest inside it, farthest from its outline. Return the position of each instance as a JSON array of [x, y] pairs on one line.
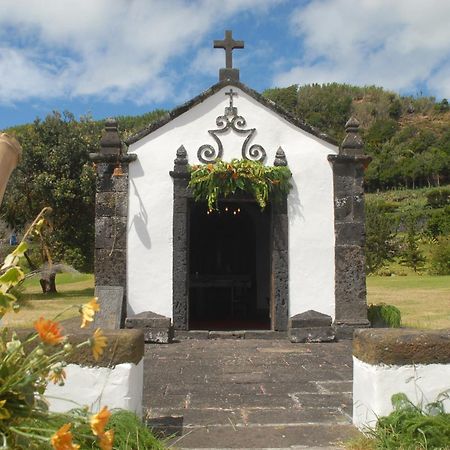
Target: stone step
[[265, 437]]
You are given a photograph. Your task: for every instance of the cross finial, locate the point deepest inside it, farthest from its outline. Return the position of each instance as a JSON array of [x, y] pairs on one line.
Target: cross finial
[[229, 44]]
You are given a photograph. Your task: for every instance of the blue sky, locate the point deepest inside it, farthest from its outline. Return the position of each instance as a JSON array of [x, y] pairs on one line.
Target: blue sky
[[119, 57]]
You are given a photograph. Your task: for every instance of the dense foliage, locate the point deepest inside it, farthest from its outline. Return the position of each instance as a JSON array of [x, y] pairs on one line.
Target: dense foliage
[[407, 137], [55, 170], [413, 427], [410, 227]]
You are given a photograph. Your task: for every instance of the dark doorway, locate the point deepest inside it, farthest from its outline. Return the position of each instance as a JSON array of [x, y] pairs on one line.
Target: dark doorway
[[229, 265]]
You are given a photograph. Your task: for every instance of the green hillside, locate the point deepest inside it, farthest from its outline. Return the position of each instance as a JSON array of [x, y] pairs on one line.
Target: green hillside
[[407, 137]]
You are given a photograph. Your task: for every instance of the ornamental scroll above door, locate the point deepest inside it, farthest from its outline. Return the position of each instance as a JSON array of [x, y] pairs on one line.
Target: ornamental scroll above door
[[231, 120]]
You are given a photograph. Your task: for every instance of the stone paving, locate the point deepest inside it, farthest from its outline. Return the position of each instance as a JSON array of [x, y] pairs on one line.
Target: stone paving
[[250, 393]]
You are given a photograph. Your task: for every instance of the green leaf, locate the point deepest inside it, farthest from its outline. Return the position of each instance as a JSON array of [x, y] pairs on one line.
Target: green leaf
[[13, 258], [6, 301], [11, 277]]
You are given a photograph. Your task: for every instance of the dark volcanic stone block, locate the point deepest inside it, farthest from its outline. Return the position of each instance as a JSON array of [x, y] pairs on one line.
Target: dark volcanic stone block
[[402, 346], [226, 335], [310, 319], [192, 334], [157, 328], [313, 334], [158, 335], [265, 334], [147, 319]]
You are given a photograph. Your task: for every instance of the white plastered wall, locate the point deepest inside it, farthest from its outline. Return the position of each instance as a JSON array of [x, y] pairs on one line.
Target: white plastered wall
[[121, 386], [375, 384], [310, 203]]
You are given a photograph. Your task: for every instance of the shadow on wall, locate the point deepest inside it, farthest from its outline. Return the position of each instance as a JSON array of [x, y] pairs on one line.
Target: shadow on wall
[[140, 221], [294, 204]]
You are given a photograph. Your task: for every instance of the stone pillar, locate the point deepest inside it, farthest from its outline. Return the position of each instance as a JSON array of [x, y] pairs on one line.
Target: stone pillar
[[280, 256], [180, 264], [349, 224], [111, 209]]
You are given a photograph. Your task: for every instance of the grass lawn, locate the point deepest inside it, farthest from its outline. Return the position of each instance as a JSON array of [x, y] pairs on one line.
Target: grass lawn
[[423, 300], [73, 289]]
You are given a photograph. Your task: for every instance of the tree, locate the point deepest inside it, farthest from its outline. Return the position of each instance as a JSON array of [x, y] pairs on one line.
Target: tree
[[412, 256], [380, 236], [285, 97], [55, 171]]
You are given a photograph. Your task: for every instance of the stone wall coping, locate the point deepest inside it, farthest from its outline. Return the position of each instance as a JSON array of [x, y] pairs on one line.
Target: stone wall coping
[[402, 346], [123, 346]]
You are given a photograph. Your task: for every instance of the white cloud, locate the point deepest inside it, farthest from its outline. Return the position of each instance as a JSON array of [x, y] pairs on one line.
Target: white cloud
[[112, 49], [396, 44]]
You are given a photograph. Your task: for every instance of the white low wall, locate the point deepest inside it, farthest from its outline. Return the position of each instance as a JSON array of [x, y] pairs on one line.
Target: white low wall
[[120, 386], [374, 385]]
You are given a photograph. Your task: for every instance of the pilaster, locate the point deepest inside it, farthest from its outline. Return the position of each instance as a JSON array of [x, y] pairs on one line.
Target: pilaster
[[349, 224], [111, 208]]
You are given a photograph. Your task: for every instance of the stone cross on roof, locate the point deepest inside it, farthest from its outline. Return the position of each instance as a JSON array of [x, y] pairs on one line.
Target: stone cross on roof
[[228, 44]]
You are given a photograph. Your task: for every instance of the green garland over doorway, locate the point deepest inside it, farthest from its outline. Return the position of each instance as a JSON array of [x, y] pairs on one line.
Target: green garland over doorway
[[209, 182]]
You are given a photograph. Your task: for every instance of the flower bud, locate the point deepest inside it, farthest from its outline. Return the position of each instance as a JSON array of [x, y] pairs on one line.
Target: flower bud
[[67, 348]]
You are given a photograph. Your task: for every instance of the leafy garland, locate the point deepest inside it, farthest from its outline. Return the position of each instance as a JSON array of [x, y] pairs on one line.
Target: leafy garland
[[222, 179]]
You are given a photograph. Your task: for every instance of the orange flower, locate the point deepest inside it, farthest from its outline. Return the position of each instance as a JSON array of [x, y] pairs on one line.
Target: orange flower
[[98, 343], [106, 440], [210, 167], [88, 311], [62, 439], [99, 421], [58, 376], [49, 332]]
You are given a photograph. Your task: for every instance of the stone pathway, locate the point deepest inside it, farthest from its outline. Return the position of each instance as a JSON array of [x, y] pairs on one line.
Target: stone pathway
[[250, 393]]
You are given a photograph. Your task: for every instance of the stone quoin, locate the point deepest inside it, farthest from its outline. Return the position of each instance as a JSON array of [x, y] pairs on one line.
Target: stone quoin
[[237, 268]]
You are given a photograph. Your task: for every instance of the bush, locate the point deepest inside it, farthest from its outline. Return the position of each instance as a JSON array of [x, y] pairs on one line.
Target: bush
[[380, 245], [413, 427], [438, 223], [440, 257], [384, 316], [438, 198], [412, 256]]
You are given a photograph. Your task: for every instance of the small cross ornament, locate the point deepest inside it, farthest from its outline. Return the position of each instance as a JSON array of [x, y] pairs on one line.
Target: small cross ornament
[[231, 93]]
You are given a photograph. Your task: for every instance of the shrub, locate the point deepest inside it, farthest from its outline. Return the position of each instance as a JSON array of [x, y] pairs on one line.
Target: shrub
[[438, 222], [412, 256], [129, 431], [413, 427], [440, 257], [384, 316], [380, 236], [438, 198]]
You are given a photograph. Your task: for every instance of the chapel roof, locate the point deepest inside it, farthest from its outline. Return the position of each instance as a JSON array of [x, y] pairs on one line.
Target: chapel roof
[[211, 91]]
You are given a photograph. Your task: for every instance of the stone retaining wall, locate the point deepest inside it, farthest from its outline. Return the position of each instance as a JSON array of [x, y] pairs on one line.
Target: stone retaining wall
[[115, 380], [389, 361]]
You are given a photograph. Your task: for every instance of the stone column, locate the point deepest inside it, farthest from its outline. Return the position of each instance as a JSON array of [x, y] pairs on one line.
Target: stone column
[[280, 256], [180, 264], [111, 209], [349, 224]]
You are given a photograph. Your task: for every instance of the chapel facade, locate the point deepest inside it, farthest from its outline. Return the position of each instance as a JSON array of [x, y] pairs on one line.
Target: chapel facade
[[297, 263]]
